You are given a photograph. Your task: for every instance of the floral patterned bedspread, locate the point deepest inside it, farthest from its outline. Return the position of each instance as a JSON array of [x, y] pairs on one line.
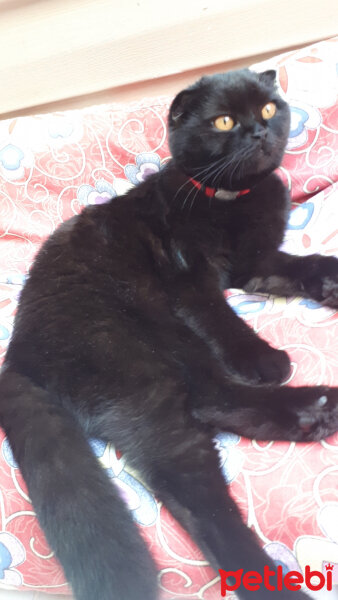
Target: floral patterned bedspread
[[53, 165]]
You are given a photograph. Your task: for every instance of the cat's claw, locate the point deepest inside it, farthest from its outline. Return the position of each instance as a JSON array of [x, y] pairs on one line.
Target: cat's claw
[[322, 401]]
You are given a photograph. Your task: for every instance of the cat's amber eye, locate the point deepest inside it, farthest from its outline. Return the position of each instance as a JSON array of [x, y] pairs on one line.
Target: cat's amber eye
[[269, 110], [224, 123]]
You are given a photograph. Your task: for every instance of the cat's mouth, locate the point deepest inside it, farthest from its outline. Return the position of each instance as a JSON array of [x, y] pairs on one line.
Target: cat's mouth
[[262, 147], [263, 153], [259, 160]]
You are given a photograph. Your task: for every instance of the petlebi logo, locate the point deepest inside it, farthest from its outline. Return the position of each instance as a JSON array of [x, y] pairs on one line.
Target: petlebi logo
[[275, 580]]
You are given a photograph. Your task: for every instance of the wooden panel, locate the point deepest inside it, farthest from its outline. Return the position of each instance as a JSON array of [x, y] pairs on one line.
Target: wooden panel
[[60, 49]]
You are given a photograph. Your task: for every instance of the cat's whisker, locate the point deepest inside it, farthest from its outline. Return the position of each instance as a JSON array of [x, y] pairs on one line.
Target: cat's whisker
[[238, 159], [187, 197], [180, 189], [202, 180], [213, 163], [214, 170], [220, 173], [217, 169], [197, 175], [240, 163], [193, 201]]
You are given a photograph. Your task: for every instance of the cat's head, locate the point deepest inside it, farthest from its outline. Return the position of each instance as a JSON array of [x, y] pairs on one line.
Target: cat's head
[[229, 130]]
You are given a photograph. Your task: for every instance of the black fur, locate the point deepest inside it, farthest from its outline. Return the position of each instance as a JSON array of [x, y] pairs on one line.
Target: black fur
[[123, 333]]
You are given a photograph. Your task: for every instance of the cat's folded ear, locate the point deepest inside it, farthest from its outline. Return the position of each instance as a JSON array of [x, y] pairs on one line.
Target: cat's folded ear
[[268, 77], [179, 107]]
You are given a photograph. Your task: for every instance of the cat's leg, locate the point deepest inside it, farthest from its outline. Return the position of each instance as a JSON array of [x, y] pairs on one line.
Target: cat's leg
[[176, 457], [183, 470], [200, 304], [312, 276], [267, 412]]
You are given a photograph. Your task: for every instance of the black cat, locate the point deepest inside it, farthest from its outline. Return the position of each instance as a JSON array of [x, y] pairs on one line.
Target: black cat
[[123, 333]]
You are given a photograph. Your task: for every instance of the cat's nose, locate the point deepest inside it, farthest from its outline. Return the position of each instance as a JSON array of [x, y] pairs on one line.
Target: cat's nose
[[259, 133]]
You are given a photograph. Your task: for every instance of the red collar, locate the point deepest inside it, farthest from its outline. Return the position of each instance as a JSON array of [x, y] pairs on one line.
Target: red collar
[[210, 192]]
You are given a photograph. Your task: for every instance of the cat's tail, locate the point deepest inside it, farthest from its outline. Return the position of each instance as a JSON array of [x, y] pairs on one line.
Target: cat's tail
[[84, 519]]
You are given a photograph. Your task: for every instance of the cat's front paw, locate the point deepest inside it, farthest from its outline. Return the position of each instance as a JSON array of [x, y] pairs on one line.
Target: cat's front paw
[[261, 364], [330, 291], [315, 417], [323, 286]]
